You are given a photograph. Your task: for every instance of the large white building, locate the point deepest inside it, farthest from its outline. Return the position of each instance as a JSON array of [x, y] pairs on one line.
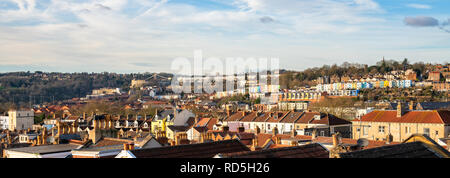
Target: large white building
[[21, 120]]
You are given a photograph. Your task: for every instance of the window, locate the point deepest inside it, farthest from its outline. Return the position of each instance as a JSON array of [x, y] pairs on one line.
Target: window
[[426, 131], [407, 130], [381, 129], [365, 130], [268, 126], [437, 133]]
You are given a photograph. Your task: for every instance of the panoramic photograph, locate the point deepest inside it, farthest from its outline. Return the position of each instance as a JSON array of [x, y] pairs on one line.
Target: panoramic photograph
[[191, 79]]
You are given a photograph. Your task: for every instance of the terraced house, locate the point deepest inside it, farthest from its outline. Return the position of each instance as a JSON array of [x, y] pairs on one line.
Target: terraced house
[[286, 122], [398, 125]]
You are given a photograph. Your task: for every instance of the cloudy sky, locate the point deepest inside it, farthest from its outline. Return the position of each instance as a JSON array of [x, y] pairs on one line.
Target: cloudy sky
[[146, 35]]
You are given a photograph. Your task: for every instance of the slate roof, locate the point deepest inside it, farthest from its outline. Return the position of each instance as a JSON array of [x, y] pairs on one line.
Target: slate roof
[[404, 150], [182, 118], [307, 117], [330, 119], [46, 149], [199, 150], [249, 117], [434, 105], [314, 150]]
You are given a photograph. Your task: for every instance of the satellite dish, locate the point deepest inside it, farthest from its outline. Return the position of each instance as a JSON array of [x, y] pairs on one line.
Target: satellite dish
[[362, 142]]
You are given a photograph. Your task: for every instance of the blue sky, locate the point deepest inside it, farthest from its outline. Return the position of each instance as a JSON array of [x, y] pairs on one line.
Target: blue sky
[[146, 35]]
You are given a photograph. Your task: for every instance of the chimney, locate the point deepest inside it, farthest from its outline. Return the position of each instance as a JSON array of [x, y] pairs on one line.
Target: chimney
[[228, 110], [294, 143], [95, 123], [44, 135], [336, 139], [411, 105], [38, 140], [314, 134], [277, 140], [131, 146], [84, 115], [399, 109], [293, 133], [54, 115], [225, 128], [388, 139], [243, 113], [174, 111], [126, 146], [241, 129], [255, 144]]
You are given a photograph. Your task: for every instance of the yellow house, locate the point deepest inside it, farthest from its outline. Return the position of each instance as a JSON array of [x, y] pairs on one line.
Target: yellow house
[[386, 84], [162, 120]]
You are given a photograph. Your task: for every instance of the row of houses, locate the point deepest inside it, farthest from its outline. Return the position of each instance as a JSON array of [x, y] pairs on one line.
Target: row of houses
[[301, 123], [362, 85], [401, 123]]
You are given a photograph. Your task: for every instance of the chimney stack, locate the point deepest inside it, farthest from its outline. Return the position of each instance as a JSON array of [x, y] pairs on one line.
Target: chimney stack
[[411, 105], [126, 146], [399, 109], [225, 128], [314, 134], [336, 139], [241, 129], [293, 133], [388, 139], [274, 131]]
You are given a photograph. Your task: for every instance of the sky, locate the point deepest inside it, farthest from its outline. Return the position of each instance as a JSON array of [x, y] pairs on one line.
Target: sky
[[131, 36]]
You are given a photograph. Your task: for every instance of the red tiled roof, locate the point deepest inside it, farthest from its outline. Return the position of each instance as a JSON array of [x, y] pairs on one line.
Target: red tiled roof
[[236, 116], [262, 118], [277, 116], [202, 122], [435, 117], [249, 117], [307, 117], [262, 138], [291, 117]]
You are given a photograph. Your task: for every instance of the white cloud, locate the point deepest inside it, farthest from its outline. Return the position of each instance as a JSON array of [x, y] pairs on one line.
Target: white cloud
[[103, 35], [419, 6]]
